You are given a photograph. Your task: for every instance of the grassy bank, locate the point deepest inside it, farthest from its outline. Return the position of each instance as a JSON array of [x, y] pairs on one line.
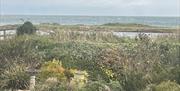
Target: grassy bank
[[109, 27]]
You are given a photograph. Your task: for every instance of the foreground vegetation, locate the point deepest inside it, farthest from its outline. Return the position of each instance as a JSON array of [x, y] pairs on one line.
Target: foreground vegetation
[[98, 61]]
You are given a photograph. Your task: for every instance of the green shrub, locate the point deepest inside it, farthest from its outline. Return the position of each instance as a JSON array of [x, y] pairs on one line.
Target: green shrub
[[78, 55], [26, 28], [102, 86], [51, 85], [52, 69], [94, 86], [115, 86], [28, 50], [167, 86], [14, 77], [54, 76]]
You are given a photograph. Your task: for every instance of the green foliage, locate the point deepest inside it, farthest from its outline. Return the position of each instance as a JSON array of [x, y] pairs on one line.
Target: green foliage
[[115, 86], [52, 84], [79, 80], [52, 69], [121, 64], [54, 76], [14, 77], [167, 86], [26, 28], [24, 49], [78, 55], [94, 86], [102, 86]]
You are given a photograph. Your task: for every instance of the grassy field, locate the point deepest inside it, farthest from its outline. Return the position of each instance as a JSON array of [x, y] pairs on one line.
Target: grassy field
[[99, 61]]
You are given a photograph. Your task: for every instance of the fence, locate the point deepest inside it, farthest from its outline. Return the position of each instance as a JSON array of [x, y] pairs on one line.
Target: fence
[[4, 34]]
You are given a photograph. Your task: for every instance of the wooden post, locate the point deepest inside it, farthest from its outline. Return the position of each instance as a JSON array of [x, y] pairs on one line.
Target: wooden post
[[32, 82], [4, 33], [32, 73]]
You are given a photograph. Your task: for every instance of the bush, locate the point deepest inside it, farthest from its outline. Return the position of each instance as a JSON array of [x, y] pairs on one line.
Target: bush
[[94, 86], [167, 86], [23, 50], [103, 86], [78, 55], [14, 77], [26, 28], [54, 76], [52, 69], [115, 86]]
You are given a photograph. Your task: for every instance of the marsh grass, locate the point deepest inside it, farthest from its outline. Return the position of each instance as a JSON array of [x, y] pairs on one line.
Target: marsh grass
[[109, 27], [89, 36]]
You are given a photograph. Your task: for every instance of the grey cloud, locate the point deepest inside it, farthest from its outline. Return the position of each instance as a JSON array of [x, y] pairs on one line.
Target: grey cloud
[[95, 7]]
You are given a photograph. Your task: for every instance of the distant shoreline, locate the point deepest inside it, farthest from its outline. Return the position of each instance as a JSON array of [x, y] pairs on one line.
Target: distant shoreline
[[90, 20], [108, 27]]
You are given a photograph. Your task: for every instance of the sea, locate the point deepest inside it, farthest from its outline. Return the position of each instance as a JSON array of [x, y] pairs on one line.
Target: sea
[[90, 20]]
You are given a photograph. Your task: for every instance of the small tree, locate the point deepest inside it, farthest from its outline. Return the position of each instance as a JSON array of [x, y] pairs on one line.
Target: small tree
[[26, 28]]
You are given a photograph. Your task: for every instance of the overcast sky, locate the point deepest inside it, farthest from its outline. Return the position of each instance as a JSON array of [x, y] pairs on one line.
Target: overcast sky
[[92, 7]]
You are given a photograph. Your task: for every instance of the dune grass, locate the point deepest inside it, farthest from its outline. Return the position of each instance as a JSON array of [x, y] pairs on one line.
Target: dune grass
[[111, 62]]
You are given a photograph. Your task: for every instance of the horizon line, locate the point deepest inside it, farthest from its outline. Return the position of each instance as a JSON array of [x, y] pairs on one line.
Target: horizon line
[[89, 15]]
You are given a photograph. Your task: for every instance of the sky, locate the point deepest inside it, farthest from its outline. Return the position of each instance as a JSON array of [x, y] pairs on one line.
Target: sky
[[91, 7]]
